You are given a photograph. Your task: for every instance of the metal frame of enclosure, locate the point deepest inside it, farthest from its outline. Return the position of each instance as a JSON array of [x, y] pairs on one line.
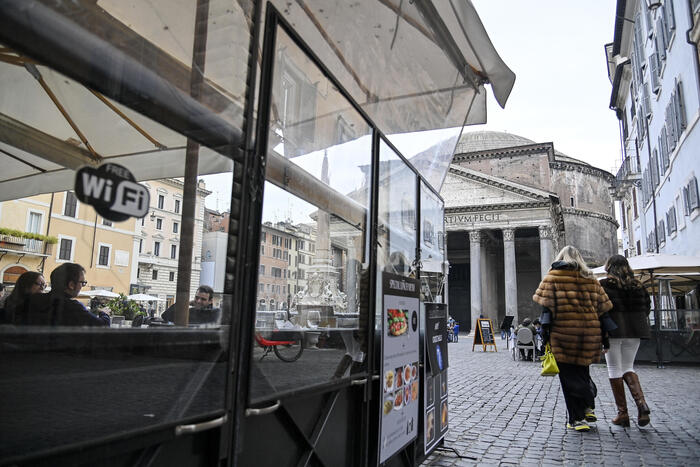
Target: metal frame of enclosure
[[251, 105]]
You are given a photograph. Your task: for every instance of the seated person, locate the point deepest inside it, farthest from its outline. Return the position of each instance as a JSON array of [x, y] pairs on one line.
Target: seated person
[[59, 307], [527, 323], [17, 303], [202, 312], [539, 341]]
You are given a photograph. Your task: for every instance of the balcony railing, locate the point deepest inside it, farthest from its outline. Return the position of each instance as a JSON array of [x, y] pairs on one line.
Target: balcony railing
[[629, 170], [25, 245]]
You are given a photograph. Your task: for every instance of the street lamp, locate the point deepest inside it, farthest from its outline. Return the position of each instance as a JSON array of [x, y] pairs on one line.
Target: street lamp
[[653, 4]]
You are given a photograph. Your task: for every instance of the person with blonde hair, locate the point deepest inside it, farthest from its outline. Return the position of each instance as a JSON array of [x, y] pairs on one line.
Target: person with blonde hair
[[573, 304], [631, 306]]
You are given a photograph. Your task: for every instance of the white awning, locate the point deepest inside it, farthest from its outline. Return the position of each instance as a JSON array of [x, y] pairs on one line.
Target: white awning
[[411, 66]]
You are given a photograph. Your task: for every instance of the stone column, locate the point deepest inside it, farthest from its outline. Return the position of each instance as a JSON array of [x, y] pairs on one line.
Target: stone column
[[475, 239], [546, 253], [509, 272]]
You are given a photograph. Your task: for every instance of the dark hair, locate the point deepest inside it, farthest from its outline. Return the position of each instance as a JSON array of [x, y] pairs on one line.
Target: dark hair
[[20, 293], [64, 274], [537, 321], [527, 321], [619, 271], [206, 289]]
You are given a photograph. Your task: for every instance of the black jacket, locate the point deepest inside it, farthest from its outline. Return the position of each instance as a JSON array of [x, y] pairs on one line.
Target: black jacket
[[206, 315], [57, 309], [630, 310]]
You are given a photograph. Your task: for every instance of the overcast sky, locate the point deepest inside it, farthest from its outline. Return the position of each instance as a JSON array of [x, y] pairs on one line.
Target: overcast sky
[[562, 91]]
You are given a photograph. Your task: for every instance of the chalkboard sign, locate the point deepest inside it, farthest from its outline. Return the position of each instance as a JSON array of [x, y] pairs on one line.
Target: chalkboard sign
[[483, 335]]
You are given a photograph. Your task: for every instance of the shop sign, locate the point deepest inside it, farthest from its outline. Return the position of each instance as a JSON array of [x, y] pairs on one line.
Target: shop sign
[[113, 191], [435, 415], [400, 355]]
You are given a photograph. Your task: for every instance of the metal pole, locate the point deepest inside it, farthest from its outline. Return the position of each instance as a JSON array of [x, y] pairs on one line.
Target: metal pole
[[657, 322], [189, 195]]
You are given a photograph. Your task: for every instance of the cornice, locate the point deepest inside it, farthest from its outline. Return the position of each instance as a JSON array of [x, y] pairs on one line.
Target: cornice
[[595, 215], [507, 152], [582, 168], [498, 207]]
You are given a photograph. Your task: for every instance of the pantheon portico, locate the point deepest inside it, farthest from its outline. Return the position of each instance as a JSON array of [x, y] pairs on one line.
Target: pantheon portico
[[510, 204]]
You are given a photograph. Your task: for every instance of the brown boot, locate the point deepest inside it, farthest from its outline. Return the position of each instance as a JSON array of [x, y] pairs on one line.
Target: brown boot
[[618, 389], [636, 389]]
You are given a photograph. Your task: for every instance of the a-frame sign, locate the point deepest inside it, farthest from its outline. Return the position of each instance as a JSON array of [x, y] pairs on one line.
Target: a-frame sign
[[483, 335]]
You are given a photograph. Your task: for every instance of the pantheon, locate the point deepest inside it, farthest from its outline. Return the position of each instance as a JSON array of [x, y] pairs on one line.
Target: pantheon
[[510, 205]]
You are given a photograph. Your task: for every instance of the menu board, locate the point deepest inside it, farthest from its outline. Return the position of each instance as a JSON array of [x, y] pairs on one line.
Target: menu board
[[484, 334], [400, 355], [435, 384]]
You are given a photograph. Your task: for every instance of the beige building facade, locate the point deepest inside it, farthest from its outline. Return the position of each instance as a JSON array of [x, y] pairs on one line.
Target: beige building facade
[[158, 239], [105, 249]]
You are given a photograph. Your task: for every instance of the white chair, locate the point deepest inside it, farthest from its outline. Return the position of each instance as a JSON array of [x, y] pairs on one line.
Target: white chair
[[525, 341]]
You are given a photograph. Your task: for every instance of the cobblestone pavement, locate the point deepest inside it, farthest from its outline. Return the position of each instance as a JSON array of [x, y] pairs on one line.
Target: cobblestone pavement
[[503, 412]]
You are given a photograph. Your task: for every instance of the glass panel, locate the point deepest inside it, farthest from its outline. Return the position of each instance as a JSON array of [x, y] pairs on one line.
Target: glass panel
[[432, 245], [396, 225], [308, 327], [98, 343]]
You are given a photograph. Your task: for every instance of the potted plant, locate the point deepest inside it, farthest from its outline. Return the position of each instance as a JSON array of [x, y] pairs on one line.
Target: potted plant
[[122, 306]]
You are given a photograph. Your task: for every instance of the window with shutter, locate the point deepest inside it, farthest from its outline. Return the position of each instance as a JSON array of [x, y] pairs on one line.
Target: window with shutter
[[661, 232], [674, 222], [671, 126], [623, 215], [654, 169], [634, 202], [693, 202], [686, 200], [647, 20], [645, 101], [670, 17], [654, 72], [639, 41], [680, 107], [664, 147], [661, 38]]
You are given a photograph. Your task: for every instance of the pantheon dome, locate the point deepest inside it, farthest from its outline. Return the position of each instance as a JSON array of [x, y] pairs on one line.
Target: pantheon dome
[[520, 201]]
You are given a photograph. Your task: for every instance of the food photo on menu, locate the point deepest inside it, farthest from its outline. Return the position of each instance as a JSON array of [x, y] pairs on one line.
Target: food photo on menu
[[430, 430], [389, 381], [399, 376], [398, 399], [443, 415], [397, 322], [388, 404], [431, 391]]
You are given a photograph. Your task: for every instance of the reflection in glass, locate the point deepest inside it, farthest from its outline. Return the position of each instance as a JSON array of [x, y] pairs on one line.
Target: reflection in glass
[[313, 236], [396, 234], [432, 245], [103, 378]]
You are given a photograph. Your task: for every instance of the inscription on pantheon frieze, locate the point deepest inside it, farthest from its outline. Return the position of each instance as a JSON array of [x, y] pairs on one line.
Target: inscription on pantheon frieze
[[475, 217]]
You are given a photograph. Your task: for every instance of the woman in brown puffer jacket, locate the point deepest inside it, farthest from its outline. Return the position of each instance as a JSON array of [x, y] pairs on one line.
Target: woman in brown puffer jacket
[[574, 303], [631, 305]]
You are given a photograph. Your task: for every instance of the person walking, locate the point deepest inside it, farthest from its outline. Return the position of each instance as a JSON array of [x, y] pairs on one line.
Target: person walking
[[631, 306], [573, 304]]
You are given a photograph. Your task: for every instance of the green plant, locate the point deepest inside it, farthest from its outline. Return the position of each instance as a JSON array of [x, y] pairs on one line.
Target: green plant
[[28, 235], [122, 306]]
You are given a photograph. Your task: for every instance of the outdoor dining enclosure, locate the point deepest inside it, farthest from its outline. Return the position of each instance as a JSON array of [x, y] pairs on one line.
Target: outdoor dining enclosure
[[291, 117]]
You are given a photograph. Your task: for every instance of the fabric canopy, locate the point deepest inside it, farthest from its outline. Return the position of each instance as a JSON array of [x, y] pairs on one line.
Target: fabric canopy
[[660, 264], [411, 66]]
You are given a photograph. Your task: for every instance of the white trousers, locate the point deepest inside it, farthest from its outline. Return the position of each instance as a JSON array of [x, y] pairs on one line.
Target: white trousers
[[620, 357]]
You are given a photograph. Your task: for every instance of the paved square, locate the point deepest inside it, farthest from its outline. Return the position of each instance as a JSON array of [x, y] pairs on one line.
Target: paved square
[[503, 412]]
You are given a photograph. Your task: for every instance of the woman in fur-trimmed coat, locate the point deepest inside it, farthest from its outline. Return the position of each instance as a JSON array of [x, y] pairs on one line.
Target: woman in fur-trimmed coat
[[573, 304]]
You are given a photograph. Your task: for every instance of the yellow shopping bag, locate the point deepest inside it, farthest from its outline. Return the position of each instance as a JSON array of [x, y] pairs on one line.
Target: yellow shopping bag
[[549, 364]]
